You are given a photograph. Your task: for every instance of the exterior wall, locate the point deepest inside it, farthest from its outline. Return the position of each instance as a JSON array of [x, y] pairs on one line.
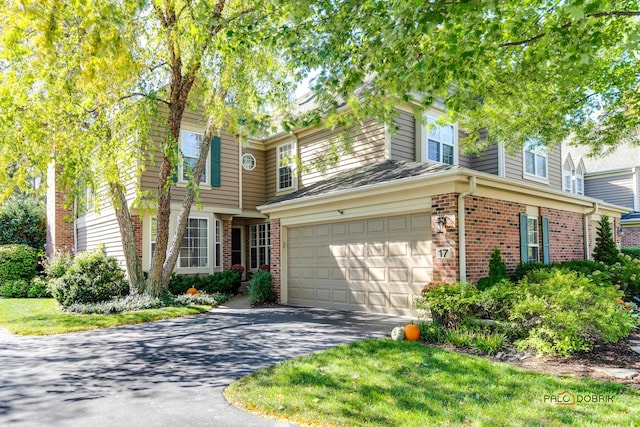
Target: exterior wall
[[464, 160], [630, 237], [59, 223], [275, 260], [514, 167], [614, 188], [566, 234], [491, 223], [227, 195], [253, 182], [403, 141], [487, 161], [226, 244], [446, 270]]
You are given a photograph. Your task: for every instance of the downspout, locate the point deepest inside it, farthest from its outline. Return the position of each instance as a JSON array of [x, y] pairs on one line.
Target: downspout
[[240, 196], [462, 240], [585, 220]]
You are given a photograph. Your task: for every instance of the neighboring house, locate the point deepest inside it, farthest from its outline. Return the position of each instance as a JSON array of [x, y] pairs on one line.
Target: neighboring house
[[400, 210], [614, 178]]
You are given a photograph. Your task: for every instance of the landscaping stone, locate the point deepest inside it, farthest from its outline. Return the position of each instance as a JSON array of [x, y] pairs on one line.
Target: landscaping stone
[[636, 349], [620, 373]]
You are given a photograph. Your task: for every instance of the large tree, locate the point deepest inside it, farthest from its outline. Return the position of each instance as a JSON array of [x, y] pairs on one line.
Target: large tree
[[82, 84], [507, 71]]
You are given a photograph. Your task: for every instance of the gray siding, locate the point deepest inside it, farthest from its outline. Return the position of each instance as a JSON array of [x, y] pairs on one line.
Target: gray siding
[[403, 141], [616, 189], [253, 182], [464, 160], [227, 195], [514, 168], [487, 161]]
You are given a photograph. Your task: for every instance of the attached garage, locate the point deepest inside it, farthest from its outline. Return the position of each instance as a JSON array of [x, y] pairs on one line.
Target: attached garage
[[375, 264]]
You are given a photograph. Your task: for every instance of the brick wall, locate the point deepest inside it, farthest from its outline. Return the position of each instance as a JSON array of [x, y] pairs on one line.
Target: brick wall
[[566, 234], [275, 256], [62, 235], [136, 221], [630, 237], [491, 223], [445, 205], [226, 244]]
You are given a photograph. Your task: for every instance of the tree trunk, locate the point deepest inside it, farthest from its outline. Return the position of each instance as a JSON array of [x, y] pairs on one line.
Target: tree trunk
[[128, 238]]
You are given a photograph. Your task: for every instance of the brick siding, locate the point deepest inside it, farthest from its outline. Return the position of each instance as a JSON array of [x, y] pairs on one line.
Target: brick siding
[[226, 244], [630, 237], [445, 205], [566, 234], [275, 257]]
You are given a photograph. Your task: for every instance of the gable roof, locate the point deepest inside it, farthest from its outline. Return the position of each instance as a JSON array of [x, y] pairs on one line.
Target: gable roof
[[376, 173], [624, 156]]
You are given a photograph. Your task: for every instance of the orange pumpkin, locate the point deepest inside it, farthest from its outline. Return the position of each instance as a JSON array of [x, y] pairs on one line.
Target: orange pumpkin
[[412, 332], [192, 291]]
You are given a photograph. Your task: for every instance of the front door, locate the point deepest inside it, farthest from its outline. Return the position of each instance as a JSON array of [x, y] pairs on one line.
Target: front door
[[236, 245]]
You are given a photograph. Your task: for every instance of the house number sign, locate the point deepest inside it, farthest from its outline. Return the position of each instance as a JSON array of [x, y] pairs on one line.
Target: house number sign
[[444, 252]]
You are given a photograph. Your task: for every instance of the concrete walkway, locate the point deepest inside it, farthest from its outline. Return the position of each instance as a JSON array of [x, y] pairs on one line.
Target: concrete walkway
[[167, 373]]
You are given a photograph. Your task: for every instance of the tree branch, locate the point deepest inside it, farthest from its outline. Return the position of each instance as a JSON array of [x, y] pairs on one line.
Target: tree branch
[[623, 13]]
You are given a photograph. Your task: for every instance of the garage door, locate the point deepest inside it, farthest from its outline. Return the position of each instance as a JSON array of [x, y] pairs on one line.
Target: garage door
[[376, 265]]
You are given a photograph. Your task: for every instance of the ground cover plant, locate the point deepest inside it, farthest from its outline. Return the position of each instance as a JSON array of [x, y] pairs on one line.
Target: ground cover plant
[[44, 317], [401, 383]]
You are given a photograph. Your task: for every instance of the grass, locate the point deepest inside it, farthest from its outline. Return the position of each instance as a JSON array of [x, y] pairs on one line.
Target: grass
[[400, 383], [44, 317]]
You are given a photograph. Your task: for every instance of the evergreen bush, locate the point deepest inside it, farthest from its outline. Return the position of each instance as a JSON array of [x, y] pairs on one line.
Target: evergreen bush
[[605, 250], [17, 262], [23, 222], [261, 288]]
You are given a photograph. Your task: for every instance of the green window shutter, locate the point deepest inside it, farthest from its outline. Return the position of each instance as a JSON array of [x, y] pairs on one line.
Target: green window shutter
[[216, 163], [546, 254], [524, 244]]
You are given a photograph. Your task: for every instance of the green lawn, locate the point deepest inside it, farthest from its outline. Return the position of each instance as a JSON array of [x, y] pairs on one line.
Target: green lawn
[[391, 383], [44, 317]]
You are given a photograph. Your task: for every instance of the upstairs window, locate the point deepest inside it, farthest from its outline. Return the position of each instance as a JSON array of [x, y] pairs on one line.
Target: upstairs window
[[535, 159], [579, 177], [190, 145], [440, 142], [573, 177], [285, 172]]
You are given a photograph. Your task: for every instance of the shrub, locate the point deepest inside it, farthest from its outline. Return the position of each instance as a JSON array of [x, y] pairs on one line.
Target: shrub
[[225, 282], [489, 342], [626, 275], [496, 302], [93, 277], [432, 332], [450, 304], [179, 283], [565, 312], [497, 271], [39, 288], [58, 265], [525, 267], [17, 262], [605, 250], [145, 302], [261, 289], [14, 288], [632, 252], [23, 222]]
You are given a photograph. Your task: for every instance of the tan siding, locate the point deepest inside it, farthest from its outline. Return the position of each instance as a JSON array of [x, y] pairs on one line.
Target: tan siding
[[368, 146], [554, 162], [270, 173], [403, 141], [253, 183], [487, 161], [616, 189], [103, 230], [227, 195]]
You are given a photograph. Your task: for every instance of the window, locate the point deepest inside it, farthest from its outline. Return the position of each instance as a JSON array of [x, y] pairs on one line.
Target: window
[[572, 177], [194, 252], [248, 161], [440, 142], [579, 177], [260, 241], [217, 236], [285, 173], [190, 144], [154, 235], [535, 159], [533, 240]]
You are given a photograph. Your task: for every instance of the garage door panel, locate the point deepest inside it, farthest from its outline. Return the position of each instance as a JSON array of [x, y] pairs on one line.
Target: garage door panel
[[377, 264]]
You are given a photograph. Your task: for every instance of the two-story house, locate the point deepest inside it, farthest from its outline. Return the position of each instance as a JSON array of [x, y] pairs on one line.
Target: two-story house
[[400, 210], [613, 177]]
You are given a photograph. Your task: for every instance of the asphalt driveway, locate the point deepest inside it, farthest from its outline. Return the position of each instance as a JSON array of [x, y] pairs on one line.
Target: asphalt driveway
[[167, 373]]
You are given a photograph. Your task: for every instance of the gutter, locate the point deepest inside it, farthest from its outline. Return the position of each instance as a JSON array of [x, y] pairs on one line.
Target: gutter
[[462, 240], [585, 218]]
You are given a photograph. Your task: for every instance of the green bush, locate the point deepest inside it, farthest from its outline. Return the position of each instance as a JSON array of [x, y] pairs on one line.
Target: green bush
[[497, 271], [605, 250], [58, 265], [23, 222], [450, 304], [17, 262], [14, 289], [632, 252], [144, 302], [261, 289], [495, 302], [225, 282], [93, 277], [625, 274], [583, 267], [564, 312], [432, 332]]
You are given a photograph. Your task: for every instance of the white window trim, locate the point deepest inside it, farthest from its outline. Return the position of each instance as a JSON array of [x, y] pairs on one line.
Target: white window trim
[[535, 177], [207, 167], [217, 242], [294, 176], [535, 244], [206, 268], [424, 140], [151, 240], [258, 245]]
